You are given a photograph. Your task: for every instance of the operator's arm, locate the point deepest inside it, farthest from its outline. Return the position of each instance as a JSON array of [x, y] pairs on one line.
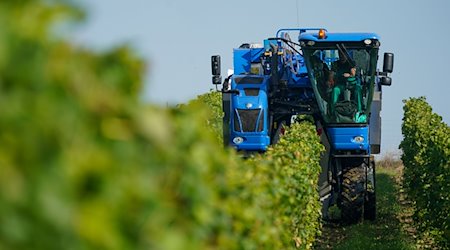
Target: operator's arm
[[351, 74]]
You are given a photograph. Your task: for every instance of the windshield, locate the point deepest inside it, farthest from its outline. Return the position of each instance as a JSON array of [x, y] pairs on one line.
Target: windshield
[[343, 81]]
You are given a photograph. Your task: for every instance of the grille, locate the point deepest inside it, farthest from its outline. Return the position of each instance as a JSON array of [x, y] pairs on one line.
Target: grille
[[251, 92], [249, 118]]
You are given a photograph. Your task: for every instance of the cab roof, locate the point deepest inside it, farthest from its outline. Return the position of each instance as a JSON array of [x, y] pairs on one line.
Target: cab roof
[[338, 37]]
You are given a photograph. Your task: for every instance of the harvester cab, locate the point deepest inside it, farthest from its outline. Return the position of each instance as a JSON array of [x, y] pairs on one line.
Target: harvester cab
[[342, 70]]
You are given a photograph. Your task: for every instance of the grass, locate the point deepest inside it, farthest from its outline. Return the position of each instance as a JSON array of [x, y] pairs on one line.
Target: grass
[[387, 232]]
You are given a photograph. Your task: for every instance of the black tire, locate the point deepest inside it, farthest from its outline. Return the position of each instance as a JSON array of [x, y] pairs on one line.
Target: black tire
[[353, 195]]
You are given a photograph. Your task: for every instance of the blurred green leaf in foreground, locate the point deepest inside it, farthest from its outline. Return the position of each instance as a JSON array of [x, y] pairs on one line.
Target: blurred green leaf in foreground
[[85, 165], [76, 146]]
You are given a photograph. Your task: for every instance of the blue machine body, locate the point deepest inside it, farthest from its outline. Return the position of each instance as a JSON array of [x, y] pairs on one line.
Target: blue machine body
[[252, 83], [243, 58], [343, 138], [251, 102]]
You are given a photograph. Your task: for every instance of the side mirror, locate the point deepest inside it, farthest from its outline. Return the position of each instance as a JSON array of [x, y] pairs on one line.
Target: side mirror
[[216, 80], [386, 81], [215, 68], [388, 64], [215, 65]]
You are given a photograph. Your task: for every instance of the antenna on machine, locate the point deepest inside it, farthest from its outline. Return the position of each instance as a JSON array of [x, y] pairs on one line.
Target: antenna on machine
[[298, 22]]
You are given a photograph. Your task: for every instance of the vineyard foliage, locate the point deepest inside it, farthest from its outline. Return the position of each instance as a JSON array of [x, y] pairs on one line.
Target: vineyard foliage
[[85, 165], [278, 189], [426, 156], [293, 167], [213, 100]]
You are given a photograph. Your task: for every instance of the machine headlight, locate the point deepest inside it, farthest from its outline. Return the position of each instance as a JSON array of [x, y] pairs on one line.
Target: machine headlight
[[367, 41], [358, 139], [238, 140]]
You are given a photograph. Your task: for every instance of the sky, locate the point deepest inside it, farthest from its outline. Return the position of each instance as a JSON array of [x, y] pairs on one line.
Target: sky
[[177, 39]]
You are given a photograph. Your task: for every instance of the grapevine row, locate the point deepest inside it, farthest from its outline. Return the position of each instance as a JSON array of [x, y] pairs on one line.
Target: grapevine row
[[426, 156]]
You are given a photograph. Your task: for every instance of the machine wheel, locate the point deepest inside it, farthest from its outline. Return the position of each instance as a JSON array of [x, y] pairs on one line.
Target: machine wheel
[[370, 207], [352, 195]]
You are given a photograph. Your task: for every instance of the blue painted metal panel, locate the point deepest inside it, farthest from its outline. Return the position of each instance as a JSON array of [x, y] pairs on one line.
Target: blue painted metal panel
[[338, 37], [256, 55], [242, 61], [243, 58], [343, 138], [252, 141], [258, 141]]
